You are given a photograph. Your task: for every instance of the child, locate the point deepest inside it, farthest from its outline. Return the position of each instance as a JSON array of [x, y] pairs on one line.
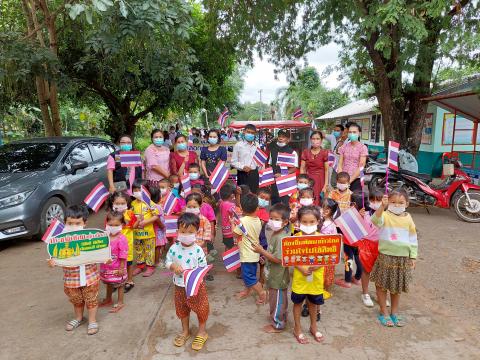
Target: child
[[264, 197], [397, 247], [114, 272], [204, 233], [342, 194], [120, 202], [144, 233], [194, 174], [305, 198], [303, 182], [246, 243], [81, 291], [330, 212], [206, 210], [226, 206], [278, 276], [183, 255], [165, 187], [307, 283], [175, 184], [159, 227]]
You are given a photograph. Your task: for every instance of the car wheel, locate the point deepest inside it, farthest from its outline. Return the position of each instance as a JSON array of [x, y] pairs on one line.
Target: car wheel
[[54, 208]]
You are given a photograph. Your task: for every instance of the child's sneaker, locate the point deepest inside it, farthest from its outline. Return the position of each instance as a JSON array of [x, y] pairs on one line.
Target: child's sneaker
[[367, 301], [343, 283], [149, 272]]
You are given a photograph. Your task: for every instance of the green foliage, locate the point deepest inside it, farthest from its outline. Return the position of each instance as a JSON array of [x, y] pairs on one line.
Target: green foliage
[[251, 111]]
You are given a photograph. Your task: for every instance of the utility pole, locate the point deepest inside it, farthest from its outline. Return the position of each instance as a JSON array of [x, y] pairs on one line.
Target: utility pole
[[261, 107]]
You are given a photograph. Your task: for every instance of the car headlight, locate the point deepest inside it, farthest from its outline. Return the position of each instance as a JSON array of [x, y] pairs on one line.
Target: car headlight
[[16, 199]]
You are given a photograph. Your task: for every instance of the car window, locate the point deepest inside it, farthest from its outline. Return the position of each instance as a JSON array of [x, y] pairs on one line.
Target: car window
[[100, 151], [25, 157], [79, 153]]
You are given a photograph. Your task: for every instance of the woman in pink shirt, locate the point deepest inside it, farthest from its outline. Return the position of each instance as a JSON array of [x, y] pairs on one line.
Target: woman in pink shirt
[[181, 158], [353, 156], [157, 158]]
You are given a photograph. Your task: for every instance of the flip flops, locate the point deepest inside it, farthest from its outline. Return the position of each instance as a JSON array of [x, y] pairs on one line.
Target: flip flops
[[385, 320], [92, 328], [73, 324], [317, 336], [199, 342], [180, 340], [398, 322], [301, 338], [129, 286], [116, 308]]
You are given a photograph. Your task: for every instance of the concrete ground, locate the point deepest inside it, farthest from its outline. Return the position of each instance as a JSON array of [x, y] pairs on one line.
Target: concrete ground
[[442, 311]]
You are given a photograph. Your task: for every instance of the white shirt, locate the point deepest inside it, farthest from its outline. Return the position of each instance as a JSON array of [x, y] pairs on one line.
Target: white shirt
[[294, 153], [242, 156], [190, 257]]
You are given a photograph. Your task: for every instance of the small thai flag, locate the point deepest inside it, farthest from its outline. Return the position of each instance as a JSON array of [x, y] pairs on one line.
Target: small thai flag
[[287, 185], [130, 158], [146, 198], [223, 117], [187, 187], [297, 114], [352, 226], [285, 159], [393, 149], [283, 170], [231, 259], [193, 278], [171, 226], [170, 203], [237, 222], [55, 228], [260, 157], [97, 197], [266, 177], [219, 176], [362, 177]]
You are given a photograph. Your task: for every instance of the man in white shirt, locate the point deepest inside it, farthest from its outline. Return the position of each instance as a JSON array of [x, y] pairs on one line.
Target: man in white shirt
[[242, 159]]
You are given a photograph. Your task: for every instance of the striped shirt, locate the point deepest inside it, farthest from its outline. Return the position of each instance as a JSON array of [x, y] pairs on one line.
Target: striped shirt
[[79, 276]]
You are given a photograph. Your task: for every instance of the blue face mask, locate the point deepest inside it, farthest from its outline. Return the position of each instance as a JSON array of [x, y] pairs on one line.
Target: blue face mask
[[263, 203], [337, 134], [249, 137], [158, 141], [213, 140], [302, 186], [353, 137], [126, 147], [182, 146], [194, 176]]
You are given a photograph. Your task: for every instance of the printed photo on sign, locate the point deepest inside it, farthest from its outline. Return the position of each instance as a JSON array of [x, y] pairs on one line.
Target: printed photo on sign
[[315, 250]]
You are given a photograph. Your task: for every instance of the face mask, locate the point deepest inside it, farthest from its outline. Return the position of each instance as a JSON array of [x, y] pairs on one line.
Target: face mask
[[213, 140], [306, 202], [163, 191], [182, 146], [353, 137], [375, 205], [302, 186], [113, 230], [187, 239], [275, 225], [263, 203], [137, 194], [126, 147], [69, 228], [337, 134], [280, 144], [176, 185], [158, 141], [316, 143], [249, 137], [120, 208], [397, 210], [194, 176], [195, 211], [308, 229], [342, 187]]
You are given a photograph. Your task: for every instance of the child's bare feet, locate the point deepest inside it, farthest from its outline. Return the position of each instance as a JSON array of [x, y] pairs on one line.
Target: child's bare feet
[[105, 303], [269, 329], [262, 298], [243, 294]]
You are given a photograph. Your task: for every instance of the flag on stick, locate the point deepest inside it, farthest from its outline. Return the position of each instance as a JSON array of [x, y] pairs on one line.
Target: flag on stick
[[286, 185], [298, 113], [193, 278], [186, 185], [266, 177], [237, 222], [219, 176], [146, 198], [55, 228], [171, 226], [223, 117], [97, 197], [285, 159], [231, 259], [130, 158], [170, 203], [283, 170], [352, 226], [260, 157], [393, 149]]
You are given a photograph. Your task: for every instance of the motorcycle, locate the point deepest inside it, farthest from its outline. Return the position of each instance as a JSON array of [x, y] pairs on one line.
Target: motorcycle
[[455, 191]]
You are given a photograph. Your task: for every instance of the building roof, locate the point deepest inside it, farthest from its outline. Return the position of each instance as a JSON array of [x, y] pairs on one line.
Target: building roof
[[358, 107]]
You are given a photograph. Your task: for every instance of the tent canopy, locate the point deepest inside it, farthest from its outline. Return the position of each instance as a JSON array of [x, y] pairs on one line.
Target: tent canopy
[[466, 104], [270, 124]]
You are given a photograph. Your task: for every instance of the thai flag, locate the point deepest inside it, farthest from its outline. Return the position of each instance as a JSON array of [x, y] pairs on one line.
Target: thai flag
[[171, 226], [362, 177], [130, 158], [393, 149], [193, 278], [145, 196], [287, 185], [298, 113], [187, 187], [237, 222], [266, 177], [352, 226], [231, 259], [170, 203], [285, 159], [283, 170], [219, 176], [260, 157], [97, 197], [223, 117], [55, 228]]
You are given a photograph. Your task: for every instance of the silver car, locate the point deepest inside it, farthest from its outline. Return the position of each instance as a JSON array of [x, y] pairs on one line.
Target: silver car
[[39, 178]]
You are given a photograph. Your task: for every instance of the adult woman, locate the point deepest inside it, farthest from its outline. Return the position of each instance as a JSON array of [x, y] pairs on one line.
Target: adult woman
[[213, 153], [181, 158], [314, 162], [121, 178], [353, 156], [157, 158]]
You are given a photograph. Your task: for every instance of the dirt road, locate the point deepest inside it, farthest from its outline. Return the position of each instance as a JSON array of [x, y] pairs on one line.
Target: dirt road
[[442, 311]]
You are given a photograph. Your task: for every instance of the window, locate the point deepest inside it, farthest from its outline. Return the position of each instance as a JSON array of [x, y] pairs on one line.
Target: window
[[79, 153], [427, 129], [27, 157], [100, 151], [464, 130]]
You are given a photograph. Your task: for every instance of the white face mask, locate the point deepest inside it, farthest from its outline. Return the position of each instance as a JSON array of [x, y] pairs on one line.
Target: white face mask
[[187, 239], [306, 202], [120, 208], [275, 225], [375, 205], [195, 211], [308, 229], [137, 194], [281, 144], [69, 228], [397, 210], [163, 191], [342, 187], [113, 230]]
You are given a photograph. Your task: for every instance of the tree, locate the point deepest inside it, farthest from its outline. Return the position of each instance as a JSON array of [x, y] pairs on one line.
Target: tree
[[390, 45], [251, 111]]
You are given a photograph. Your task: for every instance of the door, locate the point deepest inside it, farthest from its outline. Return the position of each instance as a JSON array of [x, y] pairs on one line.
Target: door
[[100, 152], [82, 182]]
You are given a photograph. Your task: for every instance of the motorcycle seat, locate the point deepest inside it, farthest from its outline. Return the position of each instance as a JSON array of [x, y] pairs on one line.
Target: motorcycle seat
[[423, 177]]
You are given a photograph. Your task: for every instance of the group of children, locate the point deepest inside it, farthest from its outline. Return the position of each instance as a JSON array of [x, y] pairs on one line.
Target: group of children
[[139, 244]]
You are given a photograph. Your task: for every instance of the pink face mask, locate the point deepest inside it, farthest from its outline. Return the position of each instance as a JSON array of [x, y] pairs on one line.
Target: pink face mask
[[316, 143]]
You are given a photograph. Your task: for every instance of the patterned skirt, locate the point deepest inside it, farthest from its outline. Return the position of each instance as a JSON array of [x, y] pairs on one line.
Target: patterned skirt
[[392, 273]]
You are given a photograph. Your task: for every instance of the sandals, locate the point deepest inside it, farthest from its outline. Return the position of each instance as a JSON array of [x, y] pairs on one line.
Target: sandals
[[92, 328], [116, 308], [180, 340], [398, 322], [199, 342], [301, 338], [129, 286], [385, 320], [73, 324], [317, 336]]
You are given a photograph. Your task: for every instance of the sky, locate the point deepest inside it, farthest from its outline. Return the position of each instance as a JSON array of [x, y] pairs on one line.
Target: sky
[[261, 76]]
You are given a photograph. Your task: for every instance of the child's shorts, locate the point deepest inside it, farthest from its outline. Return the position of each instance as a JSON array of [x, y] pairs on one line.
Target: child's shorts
[[198, 304], [228, 242], [249, 273], [84, 295], [300, 298]]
